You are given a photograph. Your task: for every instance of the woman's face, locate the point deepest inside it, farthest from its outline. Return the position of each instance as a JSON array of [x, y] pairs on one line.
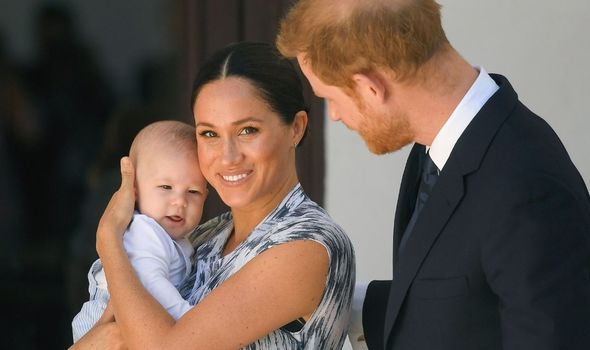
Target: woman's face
[[246, 152]]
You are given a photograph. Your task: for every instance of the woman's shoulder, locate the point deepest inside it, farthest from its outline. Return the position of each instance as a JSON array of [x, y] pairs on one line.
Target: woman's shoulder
[[308, 220], [312, 215], [299, 208]]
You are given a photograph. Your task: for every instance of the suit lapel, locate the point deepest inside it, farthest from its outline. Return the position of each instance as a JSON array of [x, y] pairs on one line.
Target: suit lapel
[[441, 204], [465, 158], [407, 195]]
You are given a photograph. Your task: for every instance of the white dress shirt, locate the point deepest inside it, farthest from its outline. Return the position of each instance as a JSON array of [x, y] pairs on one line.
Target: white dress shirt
[[480, 92]]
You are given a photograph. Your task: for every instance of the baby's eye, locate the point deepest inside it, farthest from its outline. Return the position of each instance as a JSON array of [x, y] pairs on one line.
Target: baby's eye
[[248, 130], [207, 134], [165, 187], [194, 191]]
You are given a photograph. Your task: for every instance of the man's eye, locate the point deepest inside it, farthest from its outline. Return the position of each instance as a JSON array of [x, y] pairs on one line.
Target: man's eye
[[249, 130], [165, 187], [207, 133]]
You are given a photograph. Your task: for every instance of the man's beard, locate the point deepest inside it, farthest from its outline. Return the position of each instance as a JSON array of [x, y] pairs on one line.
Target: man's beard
[[384, 133]]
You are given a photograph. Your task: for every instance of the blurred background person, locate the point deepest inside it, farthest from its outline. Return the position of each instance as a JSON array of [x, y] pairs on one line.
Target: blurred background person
[[17, 131], [73, 101]]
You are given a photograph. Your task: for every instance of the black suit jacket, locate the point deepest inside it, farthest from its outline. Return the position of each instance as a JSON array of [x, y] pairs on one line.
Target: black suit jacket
[[500, 255]]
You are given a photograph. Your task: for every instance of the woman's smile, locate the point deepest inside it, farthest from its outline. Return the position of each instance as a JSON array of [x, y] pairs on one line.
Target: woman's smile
[[236, 178]]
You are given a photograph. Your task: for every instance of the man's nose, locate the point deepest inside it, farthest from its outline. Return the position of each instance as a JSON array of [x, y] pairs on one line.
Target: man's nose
[[332, 112]]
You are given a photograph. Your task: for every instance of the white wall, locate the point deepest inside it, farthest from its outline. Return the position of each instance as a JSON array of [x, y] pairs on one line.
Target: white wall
[[544, 50]]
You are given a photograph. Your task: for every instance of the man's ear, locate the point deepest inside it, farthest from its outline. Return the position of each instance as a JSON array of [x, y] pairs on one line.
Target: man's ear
[[371, 86]]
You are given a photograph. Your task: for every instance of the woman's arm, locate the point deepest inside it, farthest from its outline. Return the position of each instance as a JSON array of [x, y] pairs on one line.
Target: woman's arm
[[278, 286], [103, 336], [107, 316]]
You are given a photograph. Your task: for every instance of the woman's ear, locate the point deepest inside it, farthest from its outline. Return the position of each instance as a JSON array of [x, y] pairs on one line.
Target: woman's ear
[[371, 86], [299, 126]]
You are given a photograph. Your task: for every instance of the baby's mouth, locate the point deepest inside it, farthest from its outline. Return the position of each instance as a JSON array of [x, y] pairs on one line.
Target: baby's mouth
[[175, 218]]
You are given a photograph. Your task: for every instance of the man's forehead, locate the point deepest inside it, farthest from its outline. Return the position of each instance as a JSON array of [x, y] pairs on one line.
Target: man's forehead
[[306, 67], [302, 59], [314, 81]]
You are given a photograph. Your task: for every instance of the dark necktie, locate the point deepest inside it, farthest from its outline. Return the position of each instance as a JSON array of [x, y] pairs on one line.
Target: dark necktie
[[427, 182]]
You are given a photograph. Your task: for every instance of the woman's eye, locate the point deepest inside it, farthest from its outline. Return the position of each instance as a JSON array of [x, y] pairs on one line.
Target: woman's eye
[[249, 130], [207, 133], [165, 187]]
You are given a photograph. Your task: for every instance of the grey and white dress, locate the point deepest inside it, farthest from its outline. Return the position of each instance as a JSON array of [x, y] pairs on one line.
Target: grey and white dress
[[295, 218]]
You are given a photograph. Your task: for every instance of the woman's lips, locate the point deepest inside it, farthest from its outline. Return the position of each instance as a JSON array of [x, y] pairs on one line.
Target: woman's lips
[[235, 178]]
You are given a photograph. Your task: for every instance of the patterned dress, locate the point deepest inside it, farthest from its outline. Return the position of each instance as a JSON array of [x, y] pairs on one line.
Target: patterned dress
[[295, 218]]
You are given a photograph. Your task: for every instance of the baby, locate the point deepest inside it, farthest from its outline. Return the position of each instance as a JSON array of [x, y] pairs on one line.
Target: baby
[[170, 193]]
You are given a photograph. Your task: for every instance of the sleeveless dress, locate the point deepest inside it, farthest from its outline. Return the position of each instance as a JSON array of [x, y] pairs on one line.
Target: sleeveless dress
[[295, 218]]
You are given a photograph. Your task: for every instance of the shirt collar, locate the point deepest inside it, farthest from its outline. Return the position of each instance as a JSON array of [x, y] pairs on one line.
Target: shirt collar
[[478, 94]]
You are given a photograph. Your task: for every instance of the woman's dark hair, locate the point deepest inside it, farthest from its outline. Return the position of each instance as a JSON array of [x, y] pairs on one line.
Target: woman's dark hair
[[273, 75]]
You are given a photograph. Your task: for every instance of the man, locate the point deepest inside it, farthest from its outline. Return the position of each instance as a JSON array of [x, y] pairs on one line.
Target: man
[[492, 226]]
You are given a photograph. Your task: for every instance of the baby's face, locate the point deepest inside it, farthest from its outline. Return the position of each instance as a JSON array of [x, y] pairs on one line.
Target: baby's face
[[171, 189]]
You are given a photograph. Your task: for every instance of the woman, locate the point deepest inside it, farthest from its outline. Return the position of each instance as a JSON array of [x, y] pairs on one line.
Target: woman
[[275, 272]]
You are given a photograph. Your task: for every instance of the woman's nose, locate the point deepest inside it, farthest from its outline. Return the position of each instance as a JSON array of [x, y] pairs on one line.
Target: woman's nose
[[231, 152]]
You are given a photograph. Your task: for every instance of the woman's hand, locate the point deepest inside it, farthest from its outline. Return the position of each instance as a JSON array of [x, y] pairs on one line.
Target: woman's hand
[[119, 211]]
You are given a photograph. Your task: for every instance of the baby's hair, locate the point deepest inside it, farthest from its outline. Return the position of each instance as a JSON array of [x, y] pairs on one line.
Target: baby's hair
[[176, 135]]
